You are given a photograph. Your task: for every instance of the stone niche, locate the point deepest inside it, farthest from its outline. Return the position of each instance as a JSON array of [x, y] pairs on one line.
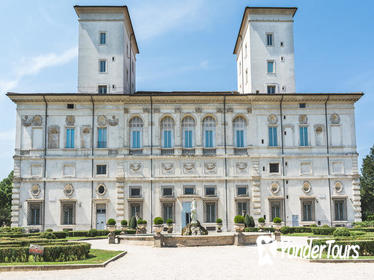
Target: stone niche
[[53, 137]]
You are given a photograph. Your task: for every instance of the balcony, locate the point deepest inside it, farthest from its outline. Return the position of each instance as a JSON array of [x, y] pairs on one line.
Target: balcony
[[188, 151], [240, 151], [209, 151], [167, 151], [135, 152]]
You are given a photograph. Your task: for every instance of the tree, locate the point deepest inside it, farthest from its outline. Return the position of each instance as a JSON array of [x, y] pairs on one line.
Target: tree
[[367, 184], [6, 199]]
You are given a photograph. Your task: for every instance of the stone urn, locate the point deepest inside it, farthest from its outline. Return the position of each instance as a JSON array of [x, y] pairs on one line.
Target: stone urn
[[261, 226], [277, 226], [239, 227], [219, 227], [111, 228], [170, 228], [158, 228]]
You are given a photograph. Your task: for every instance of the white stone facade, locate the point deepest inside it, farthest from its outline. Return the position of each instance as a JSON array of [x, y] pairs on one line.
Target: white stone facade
[[81, 159]]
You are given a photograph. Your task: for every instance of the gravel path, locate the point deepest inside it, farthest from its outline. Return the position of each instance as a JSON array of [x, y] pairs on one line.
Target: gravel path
[[225, 262]]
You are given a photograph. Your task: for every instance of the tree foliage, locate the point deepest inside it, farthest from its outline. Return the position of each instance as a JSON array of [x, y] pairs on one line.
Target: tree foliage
[[6, 199], [367, 184]]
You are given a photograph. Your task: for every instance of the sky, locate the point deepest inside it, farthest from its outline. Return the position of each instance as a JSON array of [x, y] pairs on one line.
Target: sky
[[186, 45]]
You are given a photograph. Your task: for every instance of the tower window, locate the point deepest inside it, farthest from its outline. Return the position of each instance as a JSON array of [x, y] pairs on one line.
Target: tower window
[[102, 89], [102, 66], [70, 106], [269, 39], [271, 89], [302, 105], [274, 167], [271, 68], [102, 38]]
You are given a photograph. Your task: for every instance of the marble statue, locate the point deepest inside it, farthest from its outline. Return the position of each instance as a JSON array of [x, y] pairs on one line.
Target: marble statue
[[193, 212]]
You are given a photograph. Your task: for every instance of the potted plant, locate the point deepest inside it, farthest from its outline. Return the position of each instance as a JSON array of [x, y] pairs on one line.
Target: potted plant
[[261, 223], [277, 223], [239, 223], [142, 226], [123, 226], [111, 225], [169, 222], [158, 224], [219, 225]]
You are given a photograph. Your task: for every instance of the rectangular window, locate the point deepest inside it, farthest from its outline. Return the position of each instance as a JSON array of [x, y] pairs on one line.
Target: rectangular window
[[102, 38], [167, 139], [269, 39], [135, 192], [210, 212], [188, 139], [102, 89], [242, 208], [302, 105], [70, 106], [102, 66], [275, 209], [240, 139], [68, 213], [274, 167], [210, 191], [271, 67], [69, 138], [273, 136], [101, 169], [271, 89], [167, 191], [167, 211], [307, 211], [135, 139], [102, 137], [135, 210], [303, 136], [189, 190], [340, 212], [34, 214], [208, 139], [241, 191]]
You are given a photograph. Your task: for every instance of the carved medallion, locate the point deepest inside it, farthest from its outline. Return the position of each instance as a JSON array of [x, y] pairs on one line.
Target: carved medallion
[[335, 118], [101, 120], [70, 120], [272, 119], [136, 166], [113, 121], [68, 190], [303, 119]]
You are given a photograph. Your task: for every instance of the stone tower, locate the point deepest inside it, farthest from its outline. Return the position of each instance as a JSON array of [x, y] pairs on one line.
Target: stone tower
[[107, 50], [265, 51]]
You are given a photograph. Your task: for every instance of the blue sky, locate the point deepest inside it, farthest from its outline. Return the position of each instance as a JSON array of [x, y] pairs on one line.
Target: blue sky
[[186, 45]]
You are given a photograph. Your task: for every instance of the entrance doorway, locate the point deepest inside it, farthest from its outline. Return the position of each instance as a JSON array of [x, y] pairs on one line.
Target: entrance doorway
[[100, 216], [186, 213]]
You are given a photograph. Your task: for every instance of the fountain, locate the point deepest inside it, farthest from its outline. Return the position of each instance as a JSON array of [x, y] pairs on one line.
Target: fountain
[[194, 227]]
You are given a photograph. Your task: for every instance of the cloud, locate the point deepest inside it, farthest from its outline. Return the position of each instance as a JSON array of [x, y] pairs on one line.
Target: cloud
[[154, 18], [33, 65]]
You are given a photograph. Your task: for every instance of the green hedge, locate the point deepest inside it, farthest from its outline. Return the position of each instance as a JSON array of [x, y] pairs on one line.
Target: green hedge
[[27, 242], [289, 230], [58, 252], [366, 229], [323, 230], [366, 246], [251, 229]]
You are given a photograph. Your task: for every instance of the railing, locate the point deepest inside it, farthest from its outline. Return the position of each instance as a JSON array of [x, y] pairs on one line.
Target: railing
[[136, 151], [188, 151], [209, 151], [240, 151], [167, 151]]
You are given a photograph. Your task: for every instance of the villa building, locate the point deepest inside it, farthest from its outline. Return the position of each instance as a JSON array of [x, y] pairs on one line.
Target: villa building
[[110, 151]]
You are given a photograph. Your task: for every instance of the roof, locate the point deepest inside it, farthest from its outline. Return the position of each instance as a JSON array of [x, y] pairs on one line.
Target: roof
[[108, 9], [184, 97], [264, 10]]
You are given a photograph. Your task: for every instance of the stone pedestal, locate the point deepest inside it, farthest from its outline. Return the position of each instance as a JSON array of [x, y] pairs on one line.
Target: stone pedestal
[[112, 238], [277, 235]]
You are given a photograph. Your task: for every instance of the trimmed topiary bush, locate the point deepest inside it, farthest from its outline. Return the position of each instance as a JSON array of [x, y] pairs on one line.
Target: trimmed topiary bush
[[92, 232], [143, 222], [277, 220], [261, 220], [158, 221], [219, 221], [342, 231], [124, 223], [239, 219], [48, 235], [248, 221], [111, 222], [324, 230], [169, 222], [133, 222], [49, 230]]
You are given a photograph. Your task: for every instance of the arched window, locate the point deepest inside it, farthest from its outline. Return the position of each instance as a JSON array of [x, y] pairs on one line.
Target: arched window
[[136, 133], [167, 133], [209, 131], [239, 132], [188, 130]]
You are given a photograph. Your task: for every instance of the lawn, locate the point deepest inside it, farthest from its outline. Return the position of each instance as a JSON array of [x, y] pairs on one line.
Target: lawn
[[96, 256]]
